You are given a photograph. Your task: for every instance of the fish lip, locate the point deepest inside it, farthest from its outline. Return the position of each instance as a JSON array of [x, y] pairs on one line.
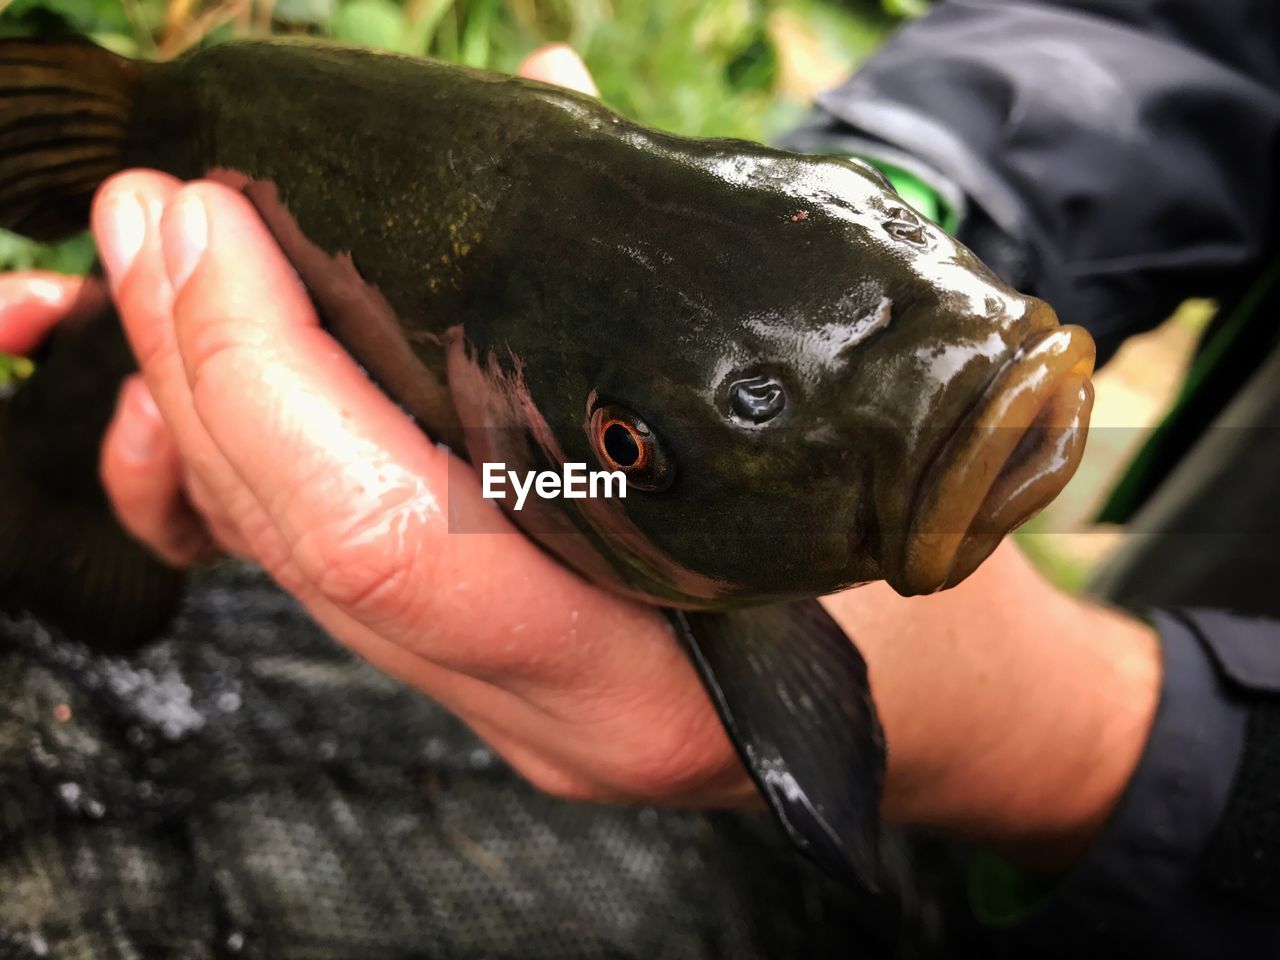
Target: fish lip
[[1011, 453]]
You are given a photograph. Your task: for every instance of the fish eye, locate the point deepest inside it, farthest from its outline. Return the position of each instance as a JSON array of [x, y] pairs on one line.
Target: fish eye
[[756, 399], [623, 441]]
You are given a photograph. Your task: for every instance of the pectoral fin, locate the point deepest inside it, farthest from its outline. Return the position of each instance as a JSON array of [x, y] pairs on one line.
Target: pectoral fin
[[792, 692]]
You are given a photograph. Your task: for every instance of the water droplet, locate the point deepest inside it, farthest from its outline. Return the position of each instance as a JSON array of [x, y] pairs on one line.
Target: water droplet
[[76, 801], [69, 793], [228, 701]]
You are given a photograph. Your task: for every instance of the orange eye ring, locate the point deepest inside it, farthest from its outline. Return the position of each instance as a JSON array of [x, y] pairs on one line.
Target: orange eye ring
[[623, 441], [623, 446]]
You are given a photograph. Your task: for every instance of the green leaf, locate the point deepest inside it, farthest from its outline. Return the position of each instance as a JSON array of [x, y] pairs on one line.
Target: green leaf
[[123, 44], [87, 16], [373, 23], [755, 66], [422, 27], [476, 35], [73, 256], [303, 11], [910, 9], [14, 368]]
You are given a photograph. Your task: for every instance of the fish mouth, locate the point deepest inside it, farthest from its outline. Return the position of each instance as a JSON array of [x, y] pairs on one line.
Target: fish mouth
[[1012, 453]]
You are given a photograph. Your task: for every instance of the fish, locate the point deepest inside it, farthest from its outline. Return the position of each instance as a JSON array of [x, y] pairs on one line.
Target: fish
[[806, 384]]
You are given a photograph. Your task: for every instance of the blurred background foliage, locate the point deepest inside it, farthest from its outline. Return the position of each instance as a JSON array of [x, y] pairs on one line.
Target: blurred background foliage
[[741, 68]]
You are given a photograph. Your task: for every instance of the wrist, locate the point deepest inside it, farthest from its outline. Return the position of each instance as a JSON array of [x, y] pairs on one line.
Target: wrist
[[1074, 758]]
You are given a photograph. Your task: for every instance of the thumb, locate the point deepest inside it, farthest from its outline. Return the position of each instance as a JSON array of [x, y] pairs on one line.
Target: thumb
[[559, 64]]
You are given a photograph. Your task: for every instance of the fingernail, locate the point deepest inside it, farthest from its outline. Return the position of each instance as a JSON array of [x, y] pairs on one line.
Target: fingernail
[[141, 430], [122, 230], [51, 293], [185, 232]]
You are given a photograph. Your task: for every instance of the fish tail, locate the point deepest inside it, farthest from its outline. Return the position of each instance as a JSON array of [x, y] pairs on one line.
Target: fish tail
[[63, 555], [66, 109]]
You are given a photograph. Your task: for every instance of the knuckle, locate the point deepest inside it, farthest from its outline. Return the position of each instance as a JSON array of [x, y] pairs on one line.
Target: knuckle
[[365, 585], [360, 569], [209, 348], [369, 545]]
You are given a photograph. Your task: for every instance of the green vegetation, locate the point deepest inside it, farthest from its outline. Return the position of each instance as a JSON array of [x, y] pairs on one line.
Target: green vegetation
[[741, 68]]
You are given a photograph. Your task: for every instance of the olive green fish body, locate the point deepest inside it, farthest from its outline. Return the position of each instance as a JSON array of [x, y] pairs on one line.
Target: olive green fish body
[[569, 256], [805, 384]]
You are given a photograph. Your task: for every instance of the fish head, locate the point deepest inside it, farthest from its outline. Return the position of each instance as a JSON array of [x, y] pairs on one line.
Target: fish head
[[806, 385]]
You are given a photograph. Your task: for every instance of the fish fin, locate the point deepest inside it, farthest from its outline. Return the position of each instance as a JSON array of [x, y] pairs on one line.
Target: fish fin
[[792, 691], [63, 555], [65, 112]]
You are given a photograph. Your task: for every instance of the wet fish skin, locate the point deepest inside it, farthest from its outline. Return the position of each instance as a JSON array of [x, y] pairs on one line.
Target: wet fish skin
[[808, 371], [719, 259]]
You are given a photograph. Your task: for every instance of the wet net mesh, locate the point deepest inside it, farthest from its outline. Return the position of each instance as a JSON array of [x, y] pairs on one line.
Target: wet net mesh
[[246, 788]]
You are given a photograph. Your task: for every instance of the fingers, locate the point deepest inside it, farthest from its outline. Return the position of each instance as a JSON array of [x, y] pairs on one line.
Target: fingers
[[142, 474], [126, 220], [560, 65], [345, 478], [31, 305]]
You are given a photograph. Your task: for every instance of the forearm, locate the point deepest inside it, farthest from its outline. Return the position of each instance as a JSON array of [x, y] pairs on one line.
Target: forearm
[[1038, 707]]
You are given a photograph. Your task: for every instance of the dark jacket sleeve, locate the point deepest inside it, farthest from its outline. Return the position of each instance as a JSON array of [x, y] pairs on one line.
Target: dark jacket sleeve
[[1128, 149]]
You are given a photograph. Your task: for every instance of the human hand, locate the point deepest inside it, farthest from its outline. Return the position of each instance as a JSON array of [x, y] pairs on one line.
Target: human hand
[[264, 437], [294, 459]]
